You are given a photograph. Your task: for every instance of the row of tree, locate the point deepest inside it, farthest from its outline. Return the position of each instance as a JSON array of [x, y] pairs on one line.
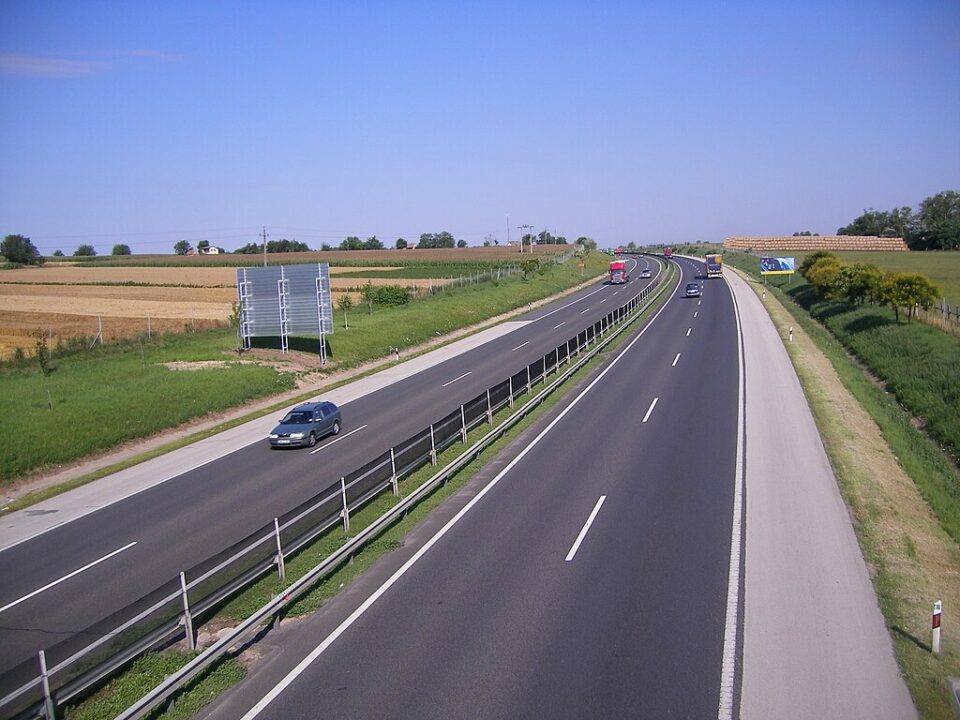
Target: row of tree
[[861, 283], [19, 249], [934, 226]]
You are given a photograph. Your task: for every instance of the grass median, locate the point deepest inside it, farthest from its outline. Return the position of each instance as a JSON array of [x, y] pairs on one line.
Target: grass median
[[126, 688]]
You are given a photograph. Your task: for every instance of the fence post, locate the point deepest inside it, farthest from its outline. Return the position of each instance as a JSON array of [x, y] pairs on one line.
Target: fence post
[[489, 409], [187, 618], [148, 327], [463, 425], [281, 569], [393, 473], [511, 392], [346, 510], [49, 709], [433, 447]]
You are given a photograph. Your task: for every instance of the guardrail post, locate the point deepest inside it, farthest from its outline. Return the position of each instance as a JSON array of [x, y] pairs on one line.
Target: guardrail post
[[528, 379], [463, 425], [511, 391], [281, 569], [49, 709], [393, 473], [489, 409], [433, 448], [346, 510], [187, 618]]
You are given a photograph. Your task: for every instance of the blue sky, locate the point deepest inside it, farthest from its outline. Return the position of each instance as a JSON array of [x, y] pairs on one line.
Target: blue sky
[[151, 122]]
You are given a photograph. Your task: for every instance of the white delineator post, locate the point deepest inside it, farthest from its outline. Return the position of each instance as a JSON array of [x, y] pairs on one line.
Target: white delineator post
[[935, 644]]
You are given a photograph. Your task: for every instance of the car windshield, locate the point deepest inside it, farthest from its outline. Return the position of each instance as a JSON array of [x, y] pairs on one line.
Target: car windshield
[[691, 286], [297, 418]]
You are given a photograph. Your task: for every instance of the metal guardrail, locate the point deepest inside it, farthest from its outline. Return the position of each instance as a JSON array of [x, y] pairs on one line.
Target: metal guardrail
[[166, 614]]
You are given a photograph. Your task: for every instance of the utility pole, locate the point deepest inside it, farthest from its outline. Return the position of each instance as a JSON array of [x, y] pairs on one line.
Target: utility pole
[[528, 228], [508, 229], [264, 236]]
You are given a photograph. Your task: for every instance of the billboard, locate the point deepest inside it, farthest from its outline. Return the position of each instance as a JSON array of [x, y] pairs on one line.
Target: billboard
[[284, 300], [777, 266]]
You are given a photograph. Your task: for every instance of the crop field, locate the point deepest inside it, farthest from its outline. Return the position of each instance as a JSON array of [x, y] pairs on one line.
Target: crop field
[[71, 302]]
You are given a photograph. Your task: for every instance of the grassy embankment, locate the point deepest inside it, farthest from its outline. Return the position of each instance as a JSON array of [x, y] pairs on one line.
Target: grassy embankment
[[147, 672], [93, 400], [891, 474]]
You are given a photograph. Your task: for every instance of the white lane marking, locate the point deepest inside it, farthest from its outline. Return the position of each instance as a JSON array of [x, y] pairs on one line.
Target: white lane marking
[[68, 576], [520, 346], [699, 301], [729, 663], [341, 437], [468, 372], [652, 406], [675, 360], [583, 531], [563, 307], [688, 331], [615, 292], [696, 313], [378, 593], [603, 301], [563, 323], [583, 311]]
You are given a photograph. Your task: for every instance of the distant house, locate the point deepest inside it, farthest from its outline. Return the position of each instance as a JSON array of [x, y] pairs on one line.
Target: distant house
[[210, 250]]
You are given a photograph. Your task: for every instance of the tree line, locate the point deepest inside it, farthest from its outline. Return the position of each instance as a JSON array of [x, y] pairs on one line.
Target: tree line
[[861, 283], [935, 225]]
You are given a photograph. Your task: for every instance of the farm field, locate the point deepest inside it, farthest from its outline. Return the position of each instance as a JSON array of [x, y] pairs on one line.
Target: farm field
[[73, 301]]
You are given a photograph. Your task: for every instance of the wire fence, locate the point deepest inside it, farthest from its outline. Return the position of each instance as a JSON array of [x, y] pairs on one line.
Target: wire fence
[[36, 686]]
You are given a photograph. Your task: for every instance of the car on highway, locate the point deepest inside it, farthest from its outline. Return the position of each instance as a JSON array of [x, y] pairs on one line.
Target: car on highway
[[645, 273], [693, 290], [306, 424]]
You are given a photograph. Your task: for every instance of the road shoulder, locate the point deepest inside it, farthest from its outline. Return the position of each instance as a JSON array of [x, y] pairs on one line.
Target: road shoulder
[[815, 644]]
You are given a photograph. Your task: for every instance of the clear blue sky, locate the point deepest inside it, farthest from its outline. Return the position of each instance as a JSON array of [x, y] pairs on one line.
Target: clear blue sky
[[151, 122]]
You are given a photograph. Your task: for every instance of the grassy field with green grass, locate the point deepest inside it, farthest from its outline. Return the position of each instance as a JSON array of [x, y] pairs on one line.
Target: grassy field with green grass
[[93, 400]]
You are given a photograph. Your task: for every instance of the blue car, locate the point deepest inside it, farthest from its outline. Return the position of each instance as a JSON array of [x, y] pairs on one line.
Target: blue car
[[305, 424]]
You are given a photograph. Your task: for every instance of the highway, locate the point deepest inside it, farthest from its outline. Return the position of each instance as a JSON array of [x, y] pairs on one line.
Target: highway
[[586, 578], [62, 581]]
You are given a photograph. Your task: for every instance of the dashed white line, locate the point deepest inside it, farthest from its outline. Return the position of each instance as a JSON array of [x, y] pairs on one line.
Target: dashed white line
[[68, 576], [675, 360], [520, 346], [688, 331], [563, 323], [451, 382], [650, 410], [341, 437], [586, 527], [603, 301], [696, 313], [583, 311], [567, 305]]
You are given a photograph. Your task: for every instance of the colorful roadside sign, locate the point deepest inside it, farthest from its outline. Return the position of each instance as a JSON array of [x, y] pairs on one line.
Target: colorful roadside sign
[[778, 266]]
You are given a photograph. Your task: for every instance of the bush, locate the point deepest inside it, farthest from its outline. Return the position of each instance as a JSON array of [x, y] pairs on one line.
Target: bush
[[19, 249], [389, 295]]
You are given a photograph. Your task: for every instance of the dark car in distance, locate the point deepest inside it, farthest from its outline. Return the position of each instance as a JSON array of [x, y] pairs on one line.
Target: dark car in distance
[[305, 424]]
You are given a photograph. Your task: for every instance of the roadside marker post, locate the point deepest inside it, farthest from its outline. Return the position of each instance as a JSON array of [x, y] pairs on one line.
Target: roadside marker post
[[187, 618], [791, 333], [393, 473], [433, 447], [49, 710], [281, 569], [346, 510], [935, 644]]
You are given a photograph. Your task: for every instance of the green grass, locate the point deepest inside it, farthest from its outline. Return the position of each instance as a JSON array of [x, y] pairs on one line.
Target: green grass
[[414, 272], [106, 396], [144, 674]]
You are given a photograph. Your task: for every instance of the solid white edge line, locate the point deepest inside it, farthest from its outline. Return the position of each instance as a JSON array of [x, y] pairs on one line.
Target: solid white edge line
[[352, 618], [728, 667], [520, 346], [675, 360], [345, 435], [650, 410], [468, 372], [68, 576], [584, 529]]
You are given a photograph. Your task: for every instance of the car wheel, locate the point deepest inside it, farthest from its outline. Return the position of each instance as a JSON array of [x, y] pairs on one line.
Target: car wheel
[[336, 428], [312, 440]]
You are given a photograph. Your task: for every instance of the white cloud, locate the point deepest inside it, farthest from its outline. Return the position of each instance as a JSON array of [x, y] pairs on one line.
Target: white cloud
[[48, 67]]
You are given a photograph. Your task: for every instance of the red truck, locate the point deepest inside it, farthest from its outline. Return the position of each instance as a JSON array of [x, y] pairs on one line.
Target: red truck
[[618, 272], [667, 252]]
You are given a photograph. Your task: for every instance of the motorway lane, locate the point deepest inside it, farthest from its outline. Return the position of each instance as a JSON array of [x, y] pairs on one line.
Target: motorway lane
[[176, 524], [495, 622]]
